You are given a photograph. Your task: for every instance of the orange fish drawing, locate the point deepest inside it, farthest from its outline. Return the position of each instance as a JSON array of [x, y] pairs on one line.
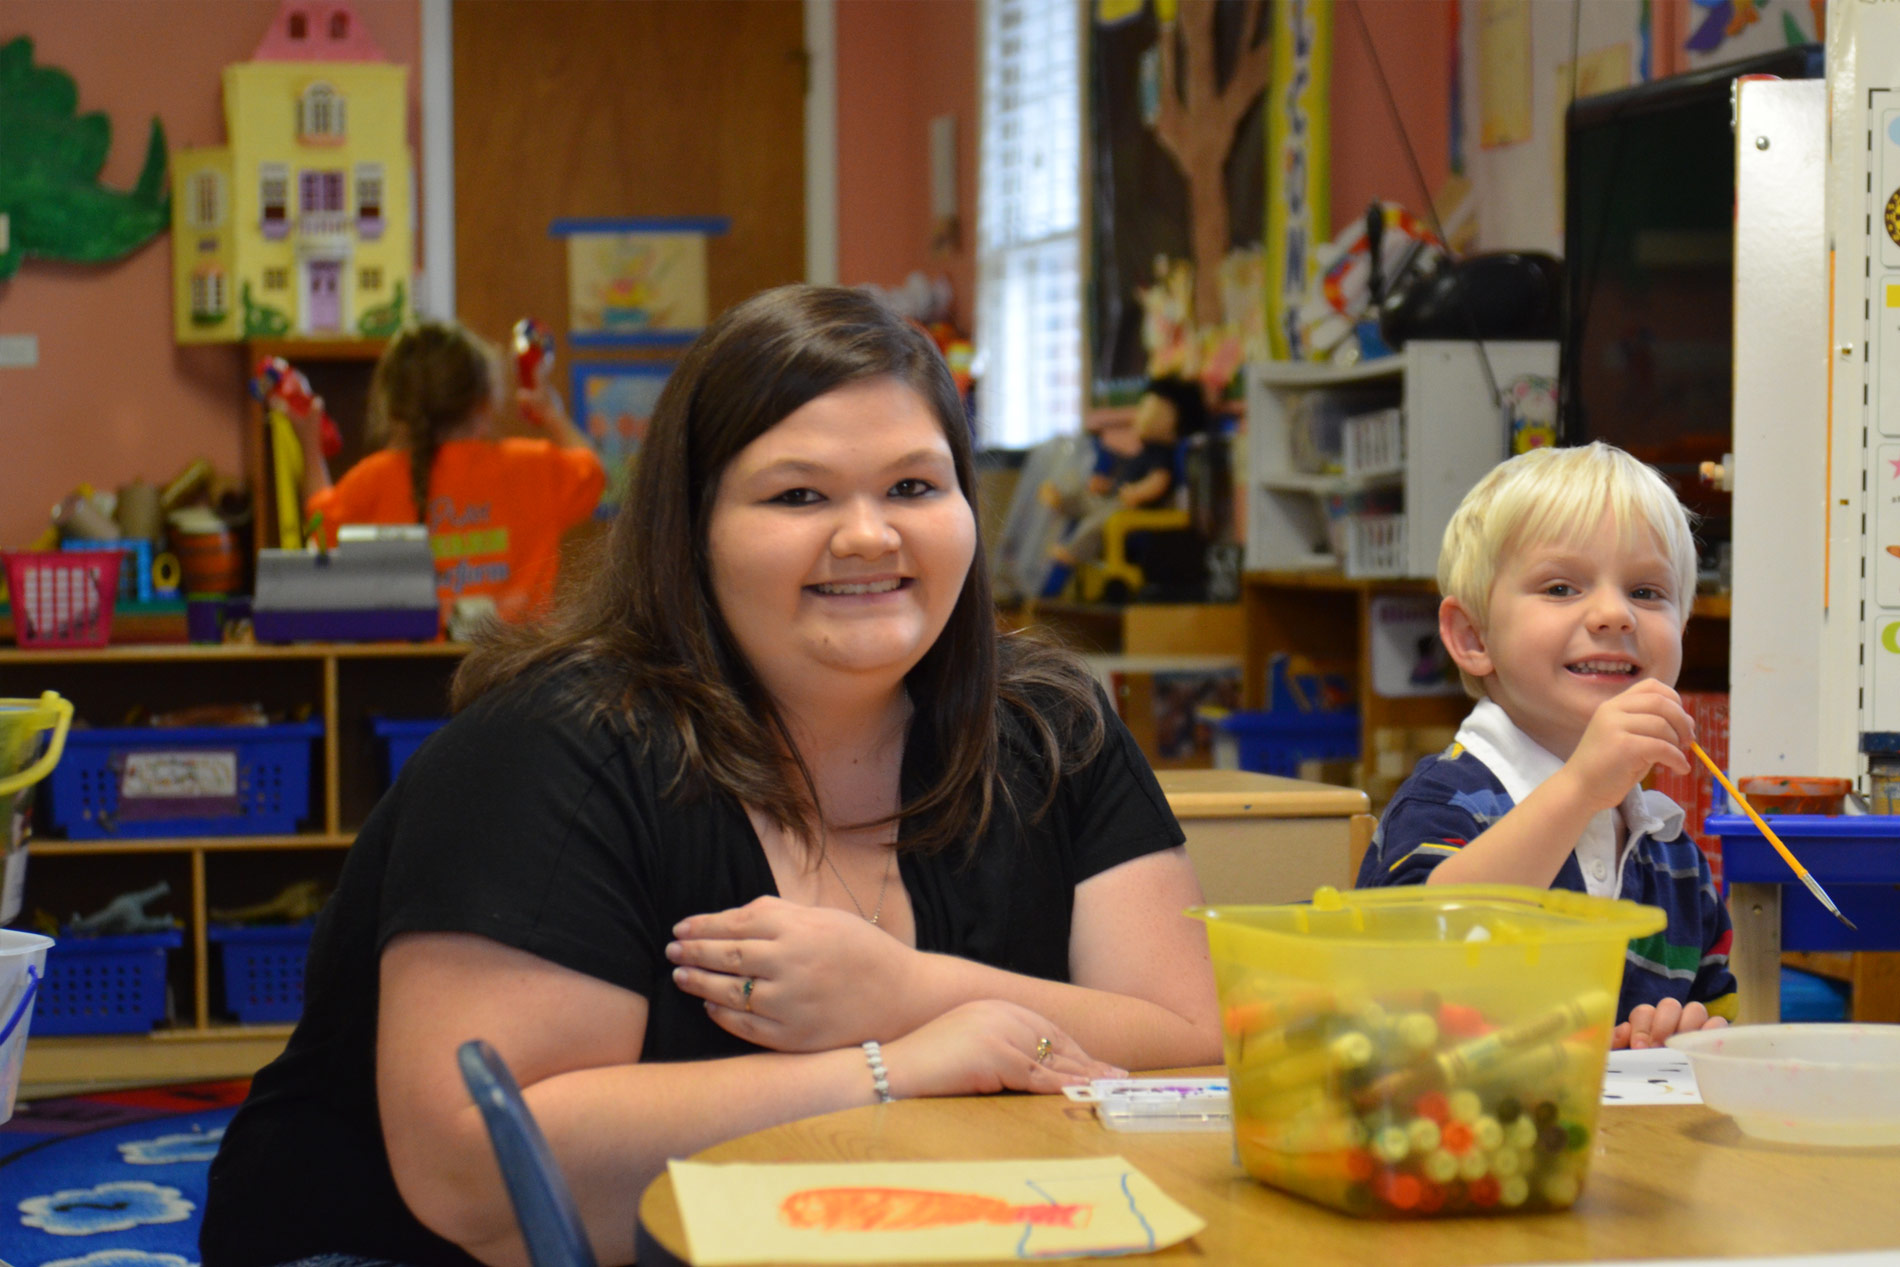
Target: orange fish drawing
[[911, 1209]]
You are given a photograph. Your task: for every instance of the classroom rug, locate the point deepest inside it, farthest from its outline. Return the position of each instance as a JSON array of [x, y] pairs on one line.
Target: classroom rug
[[111, 1179]]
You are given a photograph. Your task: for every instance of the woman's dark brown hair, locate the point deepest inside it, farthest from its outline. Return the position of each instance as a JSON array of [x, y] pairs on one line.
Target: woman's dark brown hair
[[431, 378], [649, 638]]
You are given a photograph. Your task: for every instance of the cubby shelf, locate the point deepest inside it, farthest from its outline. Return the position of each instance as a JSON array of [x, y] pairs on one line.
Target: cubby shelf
[[344, 685]]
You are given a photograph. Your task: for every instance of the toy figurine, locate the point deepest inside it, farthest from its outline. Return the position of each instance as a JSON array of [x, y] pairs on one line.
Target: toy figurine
[[125, 914], [277, 384], [534, 353], [1136, 468]]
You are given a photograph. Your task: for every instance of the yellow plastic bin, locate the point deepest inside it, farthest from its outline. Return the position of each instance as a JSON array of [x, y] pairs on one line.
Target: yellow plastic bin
[[1424, 1050], [32, 736]]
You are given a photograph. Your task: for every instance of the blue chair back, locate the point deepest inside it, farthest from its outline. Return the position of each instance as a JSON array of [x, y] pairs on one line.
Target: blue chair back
[[550, 1223]]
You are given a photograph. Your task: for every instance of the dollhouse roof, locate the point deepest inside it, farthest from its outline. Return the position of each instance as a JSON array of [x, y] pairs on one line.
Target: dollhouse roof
[[317, 31]]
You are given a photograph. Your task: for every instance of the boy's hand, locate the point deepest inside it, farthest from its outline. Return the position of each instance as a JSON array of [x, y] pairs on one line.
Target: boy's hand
[[1630, 734], [1649, 1026]]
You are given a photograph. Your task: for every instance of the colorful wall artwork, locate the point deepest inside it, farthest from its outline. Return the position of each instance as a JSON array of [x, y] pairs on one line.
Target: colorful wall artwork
[[52, 205], [636, 282], [613, 403]]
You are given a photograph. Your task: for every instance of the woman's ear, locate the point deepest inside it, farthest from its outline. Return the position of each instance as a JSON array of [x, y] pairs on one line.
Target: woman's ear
[[1463, 640]]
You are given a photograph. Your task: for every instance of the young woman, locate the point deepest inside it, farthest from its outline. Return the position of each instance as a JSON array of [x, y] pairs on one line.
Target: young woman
[[767, 822]]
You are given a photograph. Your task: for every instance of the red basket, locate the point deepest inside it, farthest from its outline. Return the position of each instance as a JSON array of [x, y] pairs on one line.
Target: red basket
[[63, 600]]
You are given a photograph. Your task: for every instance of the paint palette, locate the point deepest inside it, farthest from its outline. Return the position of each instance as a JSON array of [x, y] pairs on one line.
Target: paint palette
[[1158, 1104]]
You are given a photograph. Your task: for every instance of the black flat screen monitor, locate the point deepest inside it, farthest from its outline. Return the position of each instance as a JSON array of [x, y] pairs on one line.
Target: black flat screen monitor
[[1649, 239]]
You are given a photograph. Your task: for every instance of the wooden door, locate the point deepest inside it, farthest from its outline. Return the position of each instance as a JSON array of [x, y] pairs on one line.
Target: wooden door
[[623, 108]]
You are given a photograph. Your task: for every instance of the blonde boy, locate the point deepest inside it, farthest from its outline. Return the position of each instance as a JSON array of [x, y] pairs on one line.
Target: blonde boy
[[1567, 576]]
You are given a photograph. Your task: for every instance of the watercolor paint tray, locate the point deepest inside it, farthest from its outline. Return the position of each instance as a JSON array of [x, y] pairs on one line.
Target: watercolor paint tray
[[1158, 1104]]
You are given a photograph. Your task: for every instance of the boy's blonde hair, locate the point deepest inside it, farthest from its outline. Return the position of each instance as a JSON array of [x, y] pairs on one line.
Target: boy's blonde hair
[[1549, 495]]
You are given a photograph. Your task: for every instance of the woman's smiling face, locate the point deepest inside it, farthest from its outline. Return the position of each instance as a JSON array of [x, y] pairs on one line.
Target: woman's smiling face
[[839, 540]]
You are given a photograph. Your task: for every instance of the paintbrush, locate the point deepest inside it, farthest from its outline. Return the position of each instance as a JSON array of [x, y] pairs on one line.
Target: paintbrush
[[1801, 872]]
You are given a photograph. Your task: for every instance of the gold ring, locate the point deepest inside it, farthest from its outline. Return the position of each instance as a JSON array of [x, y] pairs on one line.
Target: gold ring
[[1043, 1048], [746, 993]]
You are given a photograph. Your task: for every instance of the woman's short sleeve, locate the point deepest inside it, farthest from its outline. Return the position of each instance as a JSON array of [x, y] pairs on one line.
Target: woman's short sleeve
[[1117, 810], [524, 823]]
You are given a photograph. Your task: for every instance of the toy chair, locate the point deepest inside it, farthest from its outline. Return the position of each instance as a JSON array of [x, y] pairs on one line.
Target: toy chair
[[550, 1224], [1094, 582]]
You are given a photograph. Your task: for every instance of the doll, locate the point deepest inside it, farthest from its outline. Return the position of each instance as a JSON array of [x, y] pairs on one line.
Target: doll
[[1135, 466]]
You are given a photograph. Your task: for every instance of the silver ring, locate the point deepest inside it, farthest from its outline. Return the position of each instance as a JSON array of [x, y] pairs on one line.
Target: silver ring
[[746, 993], [1043, 1049]]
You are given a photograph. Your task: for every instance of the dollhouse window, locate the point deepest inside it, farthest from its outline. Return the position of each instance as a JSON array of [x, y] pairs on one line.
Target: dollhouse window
[[273, 197], [208, 295], [1029, 246], [276, 279], [339, 25], [369, 279], [207, 200], [299, 26], [369, 200], [321, 114]]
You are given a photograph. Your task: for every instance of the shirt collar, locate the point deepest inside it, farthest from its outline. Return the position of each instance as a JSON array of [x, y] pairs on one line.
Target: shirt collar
[[1520, 763]]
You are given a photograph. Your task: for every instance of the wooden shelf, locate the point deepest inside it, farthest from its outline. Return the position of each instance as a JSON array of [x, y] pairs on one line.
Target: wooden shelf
[[343, 684]]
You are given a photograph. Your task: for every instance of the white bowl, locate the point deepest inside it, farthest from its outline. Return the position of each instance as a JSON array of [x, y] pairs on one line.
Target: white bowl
[[1802, 1084]]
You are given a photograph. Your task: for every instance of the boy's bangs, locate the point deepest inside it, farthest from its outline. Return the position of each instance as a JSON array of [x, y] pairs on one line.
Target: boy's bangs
[[1564, 501]]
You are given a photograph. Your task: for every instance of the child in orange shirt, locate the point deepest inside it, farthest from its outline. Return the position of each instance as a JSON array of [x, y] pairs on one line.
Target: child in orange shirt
[[496, 508]]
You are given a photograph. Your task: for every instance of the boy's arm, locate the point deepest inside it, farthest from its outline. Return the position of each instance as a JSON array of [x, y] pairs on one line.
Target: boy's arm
[[1529, 844], [1628, 735], [1420, 829]]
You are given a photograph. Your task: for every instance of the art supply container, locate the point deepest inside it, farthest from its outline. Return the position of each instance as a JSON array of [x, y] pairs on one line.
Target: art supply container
[[1883, 770], [1787, 794], [22, 968], [1417, 1051], [32, 736], [1837, 1086]]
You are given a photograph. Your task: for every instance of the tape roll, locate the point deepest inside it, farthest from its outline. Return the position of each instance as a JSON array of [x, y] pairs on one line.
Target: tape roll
[[166, 572]]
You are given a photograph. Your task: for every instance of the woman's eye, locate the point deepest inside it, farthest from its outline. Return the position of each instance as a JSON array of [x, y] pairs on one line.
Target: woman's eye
[[913, 488], [797, 497]]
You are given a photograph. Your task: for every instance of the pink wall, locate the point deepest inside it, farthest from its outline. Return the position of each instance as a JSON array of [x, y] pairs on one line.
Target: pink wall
[[899, 65], [113, 398], [1414, 41]]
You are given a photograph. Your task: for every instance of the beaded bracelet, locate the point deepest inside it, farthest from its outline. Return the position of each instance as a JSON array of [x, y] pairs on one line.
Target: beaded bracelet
[[874, 1057]]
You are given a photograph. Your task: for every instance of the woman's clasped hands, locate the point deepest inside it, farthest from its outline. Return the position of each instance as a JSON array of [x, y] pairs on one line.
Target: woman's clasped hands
[[802, 978]]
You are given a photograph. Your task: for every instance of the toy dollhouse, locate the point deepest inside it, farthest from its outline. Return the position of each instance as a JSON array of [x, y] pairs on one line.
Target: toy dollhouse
[[301, 225]]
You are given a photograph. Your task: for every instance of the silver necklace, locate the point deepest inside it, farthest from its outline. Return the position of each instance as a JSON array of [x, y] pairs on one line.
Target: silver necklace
[[877, 912]]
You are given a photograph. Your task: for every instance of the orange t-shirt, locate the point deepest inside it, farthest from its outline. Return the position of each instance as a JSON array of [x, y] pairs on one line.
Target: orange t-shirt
[[497, 510]]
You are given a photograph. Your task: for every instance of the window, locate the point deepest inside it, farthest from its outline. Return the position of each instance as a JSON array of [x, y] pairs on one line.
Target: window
[[273, 197], [321, 115], [369, 199], [208, 298], [276, 279], [207, 200], [340, 25], [369, 279], [1029, 250], [299, 26]]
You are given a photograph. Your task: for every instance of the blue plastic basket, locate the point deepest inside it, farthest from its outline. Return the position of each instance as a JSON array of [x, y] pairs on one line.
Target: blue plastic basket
[[104, 985], [1299, 726], [142, 781], [400, 740], [135, 565], [263, 969]]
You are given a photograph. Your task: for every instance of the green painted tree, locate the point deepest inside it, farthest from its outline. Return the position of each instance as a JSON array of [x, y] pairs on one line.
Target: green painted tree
[[50, 159]]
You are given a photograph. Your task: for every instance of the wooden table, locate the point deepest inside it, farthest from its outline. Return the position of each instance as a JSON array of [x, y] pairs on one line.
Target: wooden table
[[1263, 838], [1664, 1182]]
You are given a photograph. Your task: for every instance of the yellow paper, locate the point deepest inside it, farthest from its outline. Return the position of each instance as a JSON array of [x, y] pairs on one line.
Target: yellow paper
[[923, 1211], [1504, 72]]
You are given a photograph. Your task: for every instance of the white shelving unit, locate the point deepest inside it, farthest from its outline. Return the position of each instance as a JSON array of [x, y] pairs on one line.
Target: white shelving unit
[[1423, 423]]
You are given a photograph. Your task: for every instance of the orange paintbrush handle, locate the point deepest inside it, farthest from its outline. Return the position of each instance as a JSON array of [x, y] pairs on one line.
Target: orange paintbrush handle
[[1749, 810]]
